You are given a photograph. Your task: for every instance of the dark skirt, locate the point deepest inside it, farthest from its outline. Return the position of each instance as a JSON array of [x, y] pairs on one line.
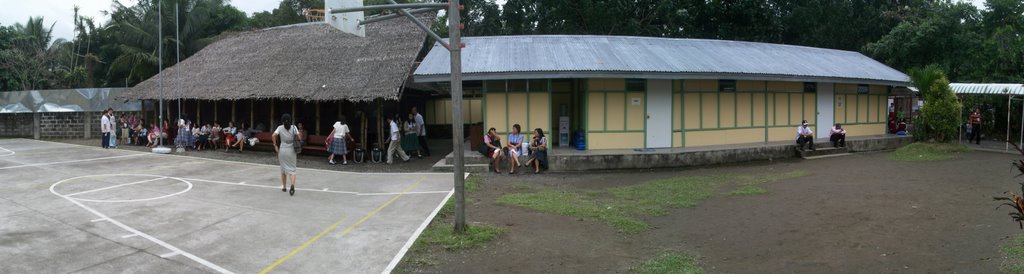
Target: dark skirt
[[542, 157], [338, 147]]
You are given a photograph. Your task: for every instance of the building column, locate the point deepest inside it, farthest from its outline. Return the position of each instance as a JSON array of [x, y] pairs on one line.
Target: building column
[[233, 108], [35, 125], [88, 123], [272, 122]]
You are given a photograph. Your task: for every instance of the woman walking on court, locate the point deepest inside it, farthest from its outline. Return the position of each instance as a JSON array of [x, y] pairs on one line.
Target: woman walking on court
[[286, 151]]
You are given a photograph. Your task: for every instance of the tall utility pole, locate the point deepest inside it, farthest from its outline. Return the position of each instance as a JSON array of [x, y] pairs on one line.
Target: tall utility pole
[[177, 41], [160, 63], [455, 50], [454, 46]]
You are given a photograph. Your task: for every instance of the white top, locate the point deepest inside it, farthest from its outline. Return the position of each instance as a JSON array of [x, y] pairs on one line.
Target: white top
[[394, 131], [801, 130], [840, 130], [105, 124], [420, 124], [340, 130]]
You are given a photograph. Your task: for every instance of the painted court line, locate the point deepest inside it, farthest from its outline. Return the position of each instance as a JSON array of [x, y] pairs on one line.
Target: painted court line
[[416, 234], [6, 152], [322, 190], [347, 230], [73, 161], [167, 255], [144, 235], [115, 186], [129, 236], [98, 220]]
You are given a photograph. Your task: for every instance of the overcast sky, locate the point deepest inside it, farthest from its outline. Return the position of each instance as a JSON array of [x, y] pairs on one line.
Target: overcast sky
[[61, 11]]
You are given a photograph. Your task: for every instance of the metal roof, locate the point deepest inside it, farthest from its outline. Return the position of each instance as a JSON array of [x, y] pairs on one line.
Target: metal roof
[[1003, 89], [586, 56]]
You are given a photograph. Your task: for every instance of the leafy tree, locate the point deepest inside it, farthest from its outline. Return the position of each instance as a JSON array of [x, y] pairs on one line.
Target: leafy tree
[[939, 119]]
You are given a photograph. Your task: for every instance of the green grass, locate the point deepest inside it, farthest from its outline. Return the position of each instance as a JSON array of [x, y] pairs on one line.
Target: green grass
[[927, 152], [669, 262], [1013, 255], [441, 234], [748, 191], [620, 207]]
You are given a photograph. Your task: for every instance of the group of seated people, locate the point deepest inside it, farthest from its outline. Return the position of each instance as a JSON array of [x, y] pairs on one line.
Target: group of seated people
[[805, 136], [515, 148], [192, 136]]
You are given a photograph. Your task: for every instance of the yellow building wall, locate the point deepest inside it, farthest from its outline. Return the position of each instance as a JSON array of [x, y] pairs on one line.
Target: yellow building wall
[[615, 140], [438, 111], [781, 109], [540, 113], [723, 137], [476, 110], [746, 85], [635, 116], [616, 109], [777, 86], [595, 111], [700, 85], [516, 110], [728, 110], [862, 107], [796, 109], [691, 108], [782, 134], [677, 111], [743, 110], [709, 105], [770, 105], [759, 112], [496, 113], [603, 84], [864, 130], [677, 139]]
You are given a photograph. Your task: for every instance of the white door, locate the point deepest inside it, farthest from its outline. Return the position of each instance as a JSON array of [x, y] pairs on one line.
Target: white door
[[826, 95], [659, 113]]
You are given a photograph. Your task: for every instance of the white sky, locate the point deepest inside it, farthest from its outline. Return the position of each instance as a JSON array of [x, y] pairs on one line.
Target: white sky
[[62, 12]]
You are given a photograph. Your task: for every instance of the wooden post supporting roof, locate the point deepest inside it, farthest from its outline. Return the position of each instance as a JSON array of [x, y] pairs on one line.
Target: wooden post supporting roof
[[198, 117], [317, 117], [215, 111], [233, 107], [272, 125], [252, 112]]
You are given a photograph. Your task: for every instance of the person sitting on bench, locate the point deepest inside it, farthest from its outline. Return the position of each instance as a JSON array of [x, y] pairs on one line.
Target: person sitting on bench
[[838, 136], [804, 135]]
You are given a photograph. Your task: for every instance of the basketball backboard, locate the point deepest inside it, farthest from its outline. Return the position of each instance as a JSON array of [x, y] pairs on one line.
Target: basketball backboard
[[348, 21]]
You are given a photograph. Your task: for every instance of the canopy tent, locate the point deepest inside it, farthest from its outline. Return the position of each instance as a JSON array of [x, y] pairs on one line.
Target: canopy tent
[[1010, 90]]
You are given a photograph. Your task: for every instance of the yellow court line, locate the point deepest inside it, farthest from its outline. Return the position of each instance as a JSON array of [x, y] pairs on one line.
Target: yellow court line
[[347, 230]]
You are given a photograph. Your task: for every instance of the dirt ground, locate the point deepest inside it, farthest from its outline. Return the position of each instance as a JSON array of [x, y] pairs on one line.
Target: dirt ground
[[861, 213]]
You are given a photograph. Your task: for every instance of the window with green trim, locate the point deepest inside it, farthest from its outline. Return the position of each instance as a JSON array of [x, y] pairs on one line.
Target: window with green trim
[[810, 87], [636, 85], [516, 85]]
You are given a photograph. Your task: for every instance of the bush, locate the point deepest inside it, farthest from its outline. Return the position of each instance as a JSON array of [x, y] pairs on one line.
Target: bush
[[939, 118]]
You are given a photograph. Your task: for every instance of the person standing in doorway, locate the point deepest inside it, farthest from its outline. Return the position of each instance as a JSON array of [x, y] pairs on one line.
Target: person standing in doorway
[[975, 126], [287, 134], [422, 127], [396, 142], [105, 130]]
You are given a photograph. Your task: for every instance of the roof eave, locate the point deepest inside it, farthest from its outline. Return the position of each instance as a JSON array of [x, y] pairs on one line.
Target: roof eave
[[653, 75]]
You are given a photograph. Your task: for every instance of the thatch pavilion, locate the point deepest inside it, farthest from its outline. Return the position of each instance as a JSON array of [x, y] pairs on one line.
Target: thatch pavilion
[[311, 70]]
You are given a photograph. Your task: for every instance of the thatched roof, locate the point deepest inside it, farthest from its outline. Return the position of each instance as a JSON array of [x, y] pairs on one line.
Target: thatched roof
[[310, 61]]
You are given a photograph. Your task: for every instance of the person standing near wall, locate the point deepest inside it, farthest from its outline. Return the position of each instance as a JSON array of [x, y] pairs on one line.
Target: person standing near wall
[[975, 126], [422, 127], [105, 130]]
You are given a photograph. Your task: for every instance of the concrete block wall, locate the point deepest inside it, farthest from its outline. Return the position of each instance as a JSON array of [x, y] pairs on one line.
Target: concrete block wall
[[17, 125]]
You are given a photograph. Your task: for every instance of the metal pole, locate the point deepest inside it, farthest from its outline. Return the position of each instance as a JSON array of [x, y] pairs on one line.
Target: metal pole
[[177, 41], [454, 36], [396, 6], [1021, 142], [379, 18], [422, 26], [1009, 100], [160, 64]]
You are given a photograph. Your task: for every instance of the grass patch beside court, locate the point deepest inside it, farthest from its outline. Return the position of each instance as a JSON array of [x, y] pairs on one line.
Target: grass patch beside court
[[1013, 255], [748, 191], [440, 233], [669, 262], [621, 206], [927, 152]]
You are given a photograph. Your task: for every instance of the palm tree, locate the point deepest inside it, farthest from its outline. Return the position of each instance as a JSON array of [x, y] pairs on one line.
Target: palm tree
[[32, 56]]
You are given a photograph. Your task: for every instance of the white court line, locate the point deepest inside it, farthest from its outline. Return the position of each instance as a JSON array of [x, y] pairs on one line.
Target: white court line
[[129, 236], [144, 235], [9, 152], [167, 255], [321, 190], [266, 165], [73, 161], [98, 220], [115, 186], [416, 234]]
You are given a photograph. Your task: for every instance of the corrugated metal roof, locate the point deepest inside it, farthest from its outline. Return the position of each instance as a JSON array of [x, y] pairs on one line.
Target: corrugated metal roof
[[584, 56], [965, 88]]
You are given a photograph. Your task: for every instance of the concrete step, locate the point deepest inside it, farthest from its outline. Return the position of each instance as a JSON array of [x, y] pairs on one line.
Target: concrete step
[[822, 151], [470, 159], [826, 156], [444, 166]]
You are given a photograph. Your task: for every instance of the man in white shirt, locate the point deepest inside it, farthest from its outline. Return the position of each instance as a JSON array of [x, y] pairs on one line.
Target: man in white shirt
[[105, 129], [804, 135], [395, 146], [422, 127]]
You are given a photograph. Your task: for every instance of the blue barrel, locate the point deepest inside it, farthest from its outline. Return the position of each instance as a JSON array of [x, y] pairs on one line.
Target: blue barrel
[[581, 142]]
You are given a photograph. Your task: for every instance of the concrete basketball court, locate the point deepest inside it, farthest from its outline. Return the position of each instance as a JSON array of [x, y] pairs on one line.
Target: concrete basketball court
[[70, 208]]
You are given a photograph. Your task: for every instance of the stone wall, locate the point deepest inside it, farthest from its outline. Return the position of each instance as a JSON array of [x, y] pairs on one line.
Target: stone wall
[[16, 125]]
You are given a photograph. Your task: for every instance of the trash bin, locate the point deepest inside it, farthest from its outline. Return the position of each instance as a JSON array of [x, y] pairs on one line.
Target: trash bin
[[581, 142]]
